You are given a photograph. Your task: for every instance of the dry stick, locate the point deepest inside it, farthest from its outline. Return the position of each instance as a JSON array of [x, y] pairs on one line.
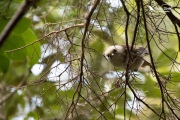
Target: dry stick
[[96, 94], [15, 19], [153, 66], [137, 24], [78, 90], [135, 34], [114, 103], [177, 33], [129, 53], [171, 16], [139, 99], [93, 107], [132, 88], [53, 32]]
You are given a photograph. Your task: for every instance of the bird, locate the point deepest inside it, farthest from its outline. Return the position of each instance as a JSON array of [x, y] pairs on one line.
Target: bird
[[118, 56]]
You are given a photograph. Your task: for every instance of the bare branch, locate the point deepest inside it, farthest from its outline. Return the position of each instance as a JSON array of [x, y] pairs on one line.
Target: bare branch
[[152, 61], [79, 87], [15, 19], [170, 15]]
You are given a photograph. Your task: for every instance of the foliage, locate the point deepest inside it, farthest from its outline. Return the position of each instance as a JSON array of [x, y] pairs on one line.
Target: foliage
[[52, 67]]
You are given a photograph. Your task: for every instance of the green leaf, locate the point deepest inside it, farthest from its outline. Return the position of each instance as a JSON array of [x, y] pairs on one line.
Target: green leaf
[[32, 115], [108, 115], [22, 26], [3, 24], [8, 9], [33, 50], [150, 88], [13, 43], [4, 64], [173, 76], [98, 45], [102, 35], [163, 60]]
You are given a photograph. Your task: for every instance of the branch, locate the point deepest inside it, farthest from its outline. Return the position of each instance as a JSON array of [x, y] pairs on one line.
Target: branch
[[170, 15], [78, 90], [129, 53], [15, 19], [53, 32], [137, 24], [139, 99], [152, 62]]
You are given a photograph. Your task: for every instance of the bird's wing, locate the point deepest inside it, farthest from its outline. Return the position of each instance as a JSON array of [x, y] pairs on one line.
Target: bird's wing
[[141, 51]]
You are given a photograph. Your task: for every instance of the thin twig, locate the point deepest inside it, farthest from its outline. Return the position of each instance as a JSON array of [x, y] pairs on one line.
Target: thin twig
[[151, 58], [129, 53], [137, 25], [170, 15], [53, 32], [78, 90]]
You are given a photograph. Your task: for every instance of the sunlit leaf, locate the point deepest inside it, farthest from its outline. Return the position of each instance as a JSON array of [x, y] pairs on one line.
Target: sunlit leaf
[[13, 43], [103, 35], [32, 115], [33, 50], [150, 88], [166, 60], [22, 26]]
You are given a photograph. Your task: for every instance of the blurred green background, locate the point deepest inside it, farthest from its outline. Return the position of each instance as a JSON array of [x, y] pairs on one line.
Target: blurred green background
[[40, 62]]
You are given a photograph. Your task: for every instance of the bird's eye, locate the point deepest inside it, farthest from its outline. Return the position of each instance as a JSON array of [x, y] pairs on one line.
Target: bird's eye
[[108, 56], [114, 51]]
